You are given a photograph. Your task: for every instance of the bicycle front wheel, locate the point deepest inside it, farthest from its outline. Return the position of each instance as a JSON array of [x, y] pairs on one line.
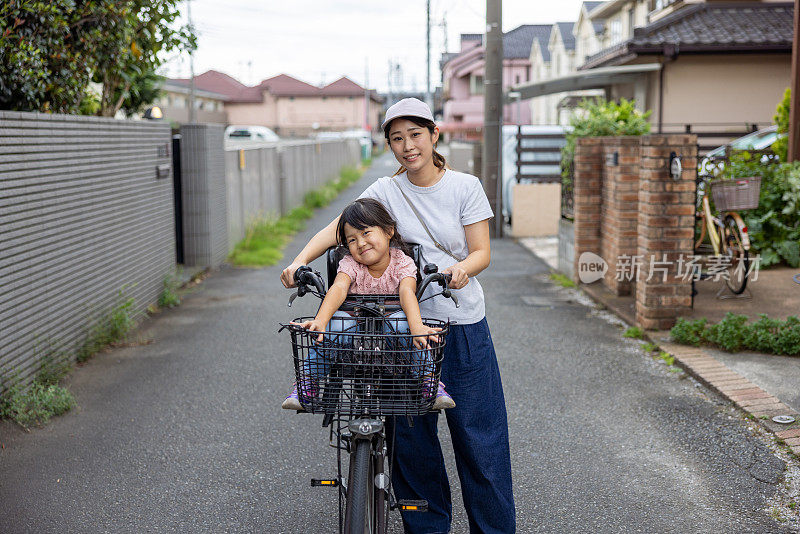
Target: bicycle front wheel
[[739, 256], [361, 491]]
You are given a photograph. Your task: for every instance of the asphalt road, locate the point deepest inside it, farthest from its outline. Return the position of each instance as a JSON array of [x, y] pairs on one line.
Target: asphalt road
[[186, 435]]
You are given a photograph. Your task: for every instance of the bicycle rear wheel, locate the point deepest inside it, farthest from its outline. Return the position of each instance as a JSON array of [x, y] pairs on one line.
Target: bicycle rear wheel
[[360, 495], [740, 257]]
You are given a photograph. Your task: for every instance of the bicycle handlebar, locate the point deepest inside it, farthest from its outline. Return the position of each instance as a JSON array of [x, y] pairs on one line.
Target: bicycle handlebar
[[305, 278], [443, 279]]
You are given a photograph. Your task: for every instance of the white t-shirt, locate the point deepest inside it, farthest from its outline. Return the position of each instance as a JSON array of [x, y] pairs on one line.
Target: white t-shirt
[[453, 202]]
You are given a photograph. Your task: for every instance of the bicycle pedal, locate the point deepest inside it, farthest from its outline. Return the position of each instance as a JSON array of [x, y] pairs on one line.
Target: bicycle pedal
[[407, 505], [329, 482]]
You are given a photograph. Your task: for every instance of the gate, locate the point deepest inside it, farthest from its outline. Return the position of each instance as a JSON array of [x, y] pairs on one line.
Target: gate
[[177, 197]]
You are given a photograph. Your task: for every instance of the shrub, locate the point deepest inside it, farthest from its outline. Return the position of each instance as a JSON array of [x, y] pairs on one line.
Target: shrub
[[774, 227], [600, 117], [689, 332], [781, 145], [729, 333], [733, 333]]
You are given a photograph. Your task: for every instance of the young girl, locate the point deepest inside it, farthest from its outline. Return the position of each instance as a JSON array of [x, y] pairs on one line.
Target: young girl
[[377, 265]]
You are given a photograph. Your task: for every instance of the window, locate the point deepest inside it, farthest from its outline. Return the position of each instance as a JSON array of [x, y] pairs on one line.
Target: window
[[476, 85], [615, 31], [631, 21]]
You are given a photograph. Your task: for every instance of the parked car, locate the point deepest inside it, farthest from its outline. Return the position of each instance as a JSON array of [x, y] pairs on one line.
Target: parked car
[[509, 148], [250, 134], [760, 140]]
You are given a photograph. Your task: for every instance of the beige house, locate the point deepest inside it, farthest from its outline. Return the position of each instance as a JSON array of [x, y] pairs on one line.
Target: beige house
[[716, 65], [293, 108], [174, 104]]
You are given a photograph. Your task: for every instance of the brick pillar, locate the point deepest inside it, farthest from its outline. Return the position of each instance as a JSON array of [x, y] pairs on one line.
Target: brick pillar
[[587, 197], [666, 228], [620, 209]]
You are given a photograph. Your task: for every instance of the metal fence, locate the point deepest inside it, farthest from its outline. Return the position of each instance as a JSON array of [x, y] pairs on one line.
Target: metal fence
[[86, 211]]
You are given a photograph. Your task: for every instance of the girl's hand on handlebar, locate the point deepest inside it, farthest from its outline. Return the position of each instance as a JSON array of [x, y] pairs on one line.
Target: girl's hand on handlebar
[[314, 326], [460, 277], [423, 334], [287, 276]]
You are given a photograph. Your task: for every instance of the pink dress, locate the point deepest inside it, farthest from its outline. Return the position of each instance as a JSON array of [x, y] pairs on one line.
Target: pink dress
[[363, 283]]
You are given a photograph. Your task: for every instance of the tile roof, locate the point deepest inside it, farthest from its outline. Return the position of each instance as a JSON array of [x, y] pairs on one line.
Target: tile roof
[[517, 43], [565, 28], [751, 26], [280, 85], [285, 85], [591, 5], [344, 86]]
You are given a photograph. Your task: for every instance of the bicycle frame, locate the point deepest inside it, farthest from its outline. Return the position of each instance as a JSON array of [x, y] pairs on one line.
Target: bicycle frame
[[715, 228], [367, 489]]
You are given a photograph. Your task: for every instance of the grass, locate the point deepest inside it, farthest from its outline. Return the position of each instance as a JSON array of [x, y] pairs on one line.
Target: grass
[[562, 280], [649, 347], [109, 330], [633, 332], [265, 238], [36, 403], [667, 357], [169, 297]]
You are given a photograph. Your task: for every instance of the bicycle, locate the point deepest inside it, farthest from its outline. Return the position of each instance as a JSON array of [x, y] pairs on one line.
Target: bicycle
[[727, 233], [369, 373]]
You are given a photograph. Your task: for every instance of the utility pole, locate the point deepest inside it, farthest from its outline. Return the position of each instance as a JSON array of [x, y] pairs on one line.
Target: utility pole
[[192, 89], [493, 112], [428, 97], [389, 80], [794, 103], [366, 95]]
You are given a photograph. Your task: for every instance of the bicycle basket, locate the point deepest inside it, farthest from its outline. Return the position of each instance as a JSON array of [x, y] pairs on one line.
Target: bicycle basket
[[366, 366], [736, 194]]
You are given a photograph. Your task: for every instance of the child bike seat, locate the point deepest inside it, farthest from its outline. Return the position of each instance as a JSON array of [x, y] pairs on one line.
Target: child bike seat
[[335, 254]]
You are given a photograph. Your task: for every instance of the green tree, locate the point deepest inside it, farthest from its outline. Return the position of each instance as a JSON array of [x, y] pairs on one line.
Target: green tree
[[42, 62], [50, 50]]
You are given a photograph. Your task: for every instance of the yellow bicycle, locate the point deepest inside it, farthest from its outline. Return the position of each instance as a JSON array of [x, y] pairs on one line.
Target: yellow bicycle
[[726, 231]]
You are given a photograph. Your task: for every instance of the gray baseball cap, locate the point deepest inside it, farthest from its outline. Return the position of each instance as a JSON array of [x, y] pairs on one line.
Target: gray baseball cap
[[408, 107]]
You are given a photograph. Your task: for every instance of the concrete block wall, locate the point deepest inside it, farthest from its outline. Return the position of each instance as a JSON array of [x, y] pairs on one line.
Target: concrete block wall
[[84, 213], [205, 195], [273, 180]]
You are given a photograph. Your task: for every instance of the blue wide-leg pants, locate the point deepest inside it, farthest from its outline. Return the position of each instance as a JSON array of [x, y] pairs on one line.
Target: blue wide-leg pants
[[479, 430]]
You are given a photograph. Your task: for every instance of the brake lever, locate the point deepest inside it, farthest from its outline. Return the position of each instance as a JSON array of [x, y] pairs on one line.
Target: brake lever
[[294, 296]]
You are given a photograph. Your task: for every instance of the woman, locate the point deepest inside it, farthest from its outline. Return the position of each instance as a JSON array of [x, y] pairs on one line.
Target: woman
[[448, 213]]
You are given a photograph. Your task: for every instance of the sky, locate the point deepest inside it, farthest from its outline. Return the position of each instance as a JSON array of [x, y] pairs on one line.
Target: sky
[[318, 41]]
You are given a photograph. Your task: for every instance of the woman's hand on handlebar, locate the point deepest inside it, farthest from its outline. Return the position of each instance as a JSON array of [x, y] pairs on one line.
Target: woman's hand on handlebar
[[314, 326], [459, 276], [287, 276], [423, 334]]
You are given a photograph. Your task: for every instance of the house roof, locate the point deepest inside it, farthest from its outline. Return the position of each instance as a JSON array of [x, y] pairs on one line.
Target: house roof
[[517, 42], [709, 28], [565, 29], [280, 85], [591, 5]]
